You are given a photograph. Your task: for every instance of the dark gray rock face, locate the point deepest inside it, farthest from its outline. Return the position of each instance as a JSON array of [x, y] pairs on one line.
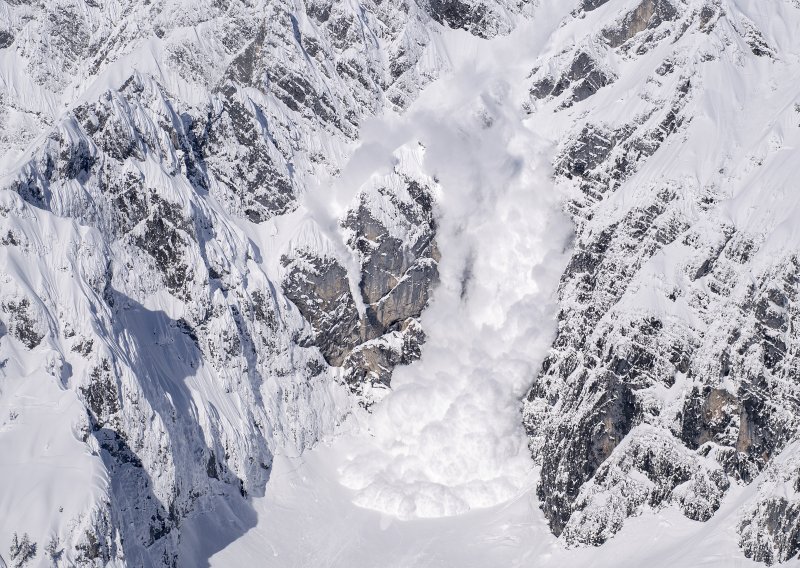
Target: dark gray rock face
[[652, 469], [459, 14], [648, 15], [396, 275], [320, 289], [478, 17], [670, 375], [582, 70], [584, 74], [768, 529], [398, 271], [6, 38], [258, 183], [590, 5], [372, 362], [600, 403], [599, 378], [165, 186], [22, 323]]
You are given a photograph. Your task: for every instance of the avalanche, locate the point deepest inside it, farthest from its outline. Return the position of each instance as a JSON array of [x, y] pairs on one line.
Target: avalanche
[[420, 283]]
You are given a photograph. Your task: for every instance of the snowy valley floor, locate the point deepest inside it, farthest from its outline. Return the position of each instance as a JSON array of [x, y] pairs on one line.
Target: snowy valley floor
[[307, 519], [438, 473]]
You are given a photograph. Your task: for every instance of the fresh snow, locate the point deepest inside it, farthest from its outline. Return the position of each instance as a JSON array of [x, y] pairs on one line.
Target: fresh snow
[[308, 519], [439, 474], [448, 438]]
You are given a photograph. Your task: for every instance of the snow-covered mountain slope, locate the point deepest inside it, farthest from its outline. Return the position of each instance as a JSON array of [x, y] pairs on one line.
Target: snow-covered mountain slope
[[178, 268], [672, 377], [232, 230]]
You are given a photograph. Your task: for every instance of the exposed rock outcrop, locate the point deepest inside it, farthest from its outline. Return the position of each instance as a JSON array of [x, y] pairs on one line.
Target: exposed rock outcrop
[[669, 378]]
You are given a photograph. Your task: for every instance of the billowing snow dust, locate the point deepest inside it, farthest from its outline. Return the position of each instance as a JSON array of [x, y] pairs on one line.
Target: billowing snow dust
[[439, 473], [448, 438]]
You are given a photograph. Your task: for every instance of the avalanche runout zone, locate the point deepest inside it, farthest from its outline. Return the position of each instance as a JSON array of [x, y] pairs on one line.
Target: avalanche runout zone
[[448, 438], [230, 230]]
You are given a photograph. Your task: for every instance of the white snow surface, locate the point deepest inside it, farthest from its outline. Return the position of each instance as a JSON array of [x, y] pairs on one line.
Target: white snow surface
[[448, 437], [439, 473], [308, 519]]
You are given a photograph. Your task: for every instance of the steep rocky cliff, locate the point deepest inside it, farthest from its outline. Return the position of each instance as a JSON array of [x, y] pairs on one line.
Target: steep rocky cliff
[[202, 269], [168, 273], [673, 374]]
